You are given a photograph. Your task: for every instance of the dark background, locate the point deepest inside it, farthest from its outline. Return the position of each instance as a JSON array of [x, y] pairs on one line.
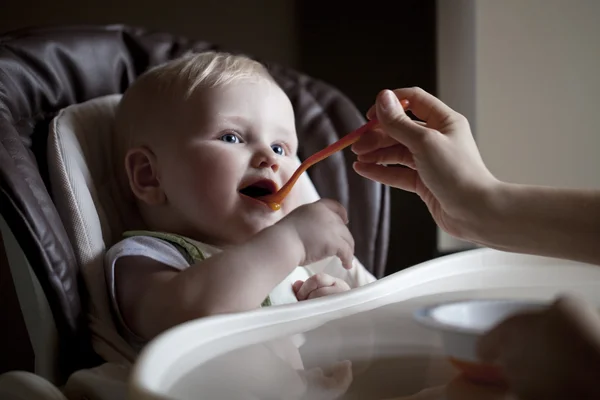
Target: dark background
[[362, 48]]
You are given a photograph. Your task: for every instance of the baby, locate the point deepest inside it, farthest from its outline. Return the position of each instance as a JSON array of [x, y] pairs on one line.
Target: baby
[[198, 139]]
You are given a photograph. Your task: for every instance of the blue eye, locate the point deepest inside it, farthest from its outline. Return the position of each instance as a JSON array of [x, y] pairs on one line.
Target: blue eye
[[278, 149], [230, 138]]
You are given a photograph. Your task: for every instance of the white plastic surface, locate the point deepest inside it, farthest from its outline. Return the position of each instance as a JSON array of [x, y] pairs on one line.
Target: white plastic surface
[[236, 356]]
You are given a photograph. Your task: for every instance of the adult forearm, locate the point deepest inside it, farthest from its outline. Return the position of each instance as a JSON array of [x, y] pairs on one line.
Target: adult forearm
[[546, 221]]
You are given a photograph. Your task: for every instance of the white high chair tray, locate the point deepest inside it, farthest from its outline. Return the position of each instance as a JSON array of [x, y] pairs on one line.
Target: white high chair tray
[[254, 355]]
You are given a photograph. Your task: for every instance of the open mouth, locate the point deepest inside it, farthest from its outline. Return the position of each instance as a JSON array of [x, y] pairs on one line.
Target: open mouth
[[260, 188]]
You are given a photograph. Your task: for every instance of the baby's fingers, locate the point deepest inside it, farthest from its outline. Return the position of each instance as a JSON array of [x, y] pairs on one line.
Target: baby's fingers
[[345, 248], [346, 255], [313, 283], [338, 287], [296, 286], [337, 208]]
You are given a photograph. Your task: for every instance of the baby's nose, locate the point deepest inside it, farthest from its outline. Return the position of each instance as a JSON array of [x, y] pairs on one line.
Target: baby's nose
[[267, 160]]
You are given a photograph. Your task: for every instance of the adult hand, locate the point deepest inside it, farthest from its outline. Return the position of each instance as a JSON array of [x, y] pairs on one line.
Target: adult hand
[[443, 164], [550, 354]]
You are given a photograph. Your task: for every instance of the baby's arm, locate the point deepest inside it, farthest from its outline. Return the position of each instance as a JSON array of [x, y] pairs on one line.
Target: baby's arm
[[153, 297]]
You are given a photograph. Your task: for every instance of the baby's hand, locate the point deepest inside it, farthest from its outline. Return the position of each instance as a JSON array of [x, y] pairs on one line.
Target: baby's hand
[[319, 230], [319, 285]]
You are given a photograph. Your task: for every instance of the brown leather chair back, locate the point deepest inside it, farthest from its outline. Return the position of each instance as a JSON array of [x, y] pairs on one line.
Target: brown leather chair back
[[46, 69]]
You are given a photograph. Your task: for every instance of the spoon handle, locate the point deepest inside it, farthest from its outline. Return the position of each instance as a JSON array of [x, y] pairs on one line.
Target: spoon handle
[[274, 200], [344, 142]]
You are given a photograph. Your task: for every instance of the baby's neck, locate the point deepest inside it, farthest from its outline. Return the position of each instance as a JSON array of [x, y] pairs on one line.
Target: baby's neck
[[189, 234], [156, 221]]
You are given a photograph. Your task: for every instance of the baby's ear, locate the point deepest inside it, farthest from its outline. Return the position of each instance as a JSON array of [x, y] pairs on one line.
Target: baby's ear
[[142, 173]]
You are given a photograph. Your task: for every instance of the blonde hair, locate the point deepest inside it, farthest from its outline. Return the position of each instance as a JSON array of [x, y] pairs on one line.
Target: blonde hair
[[146, 104], [179, 79], [207, 70]]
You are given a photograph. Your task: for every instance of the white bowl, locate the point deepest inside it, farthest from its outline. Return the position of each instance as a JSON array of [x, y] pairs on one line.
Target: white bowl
[[462, 323]]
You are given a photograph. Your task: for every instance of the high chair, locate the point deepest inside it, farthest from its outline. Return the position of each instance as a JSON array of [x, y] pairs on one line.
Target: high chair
[[58, 209]]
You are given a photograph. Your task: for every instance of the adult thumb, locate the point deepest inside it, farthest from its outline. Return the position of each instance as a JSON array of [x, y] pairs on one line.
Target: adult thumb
[[395, 122]]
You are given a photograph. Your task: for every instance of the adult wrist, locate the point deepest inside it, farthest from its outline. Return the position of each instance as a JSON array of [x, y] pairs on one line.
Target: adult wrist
[[490, 223]]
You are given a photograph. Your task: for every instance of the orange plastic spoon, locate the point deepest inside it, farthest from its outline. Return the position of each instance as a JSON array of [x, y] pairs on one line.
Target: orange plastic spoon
[[274, 200]]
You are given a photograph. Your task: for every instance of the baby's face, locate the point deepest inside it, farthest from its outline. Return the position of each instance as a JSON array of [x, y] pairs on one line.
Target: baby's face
[[230, 144]]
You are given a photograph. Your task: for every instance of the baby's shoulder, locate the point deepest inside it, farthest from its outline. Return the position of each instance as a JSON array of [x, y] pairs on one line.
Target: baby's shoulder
[[146, 246], [130, 243]]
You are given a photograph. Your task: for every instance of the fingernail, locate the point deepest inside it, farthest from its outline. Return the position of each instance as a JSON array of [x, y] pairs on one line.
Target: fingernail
[[388, 100]]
